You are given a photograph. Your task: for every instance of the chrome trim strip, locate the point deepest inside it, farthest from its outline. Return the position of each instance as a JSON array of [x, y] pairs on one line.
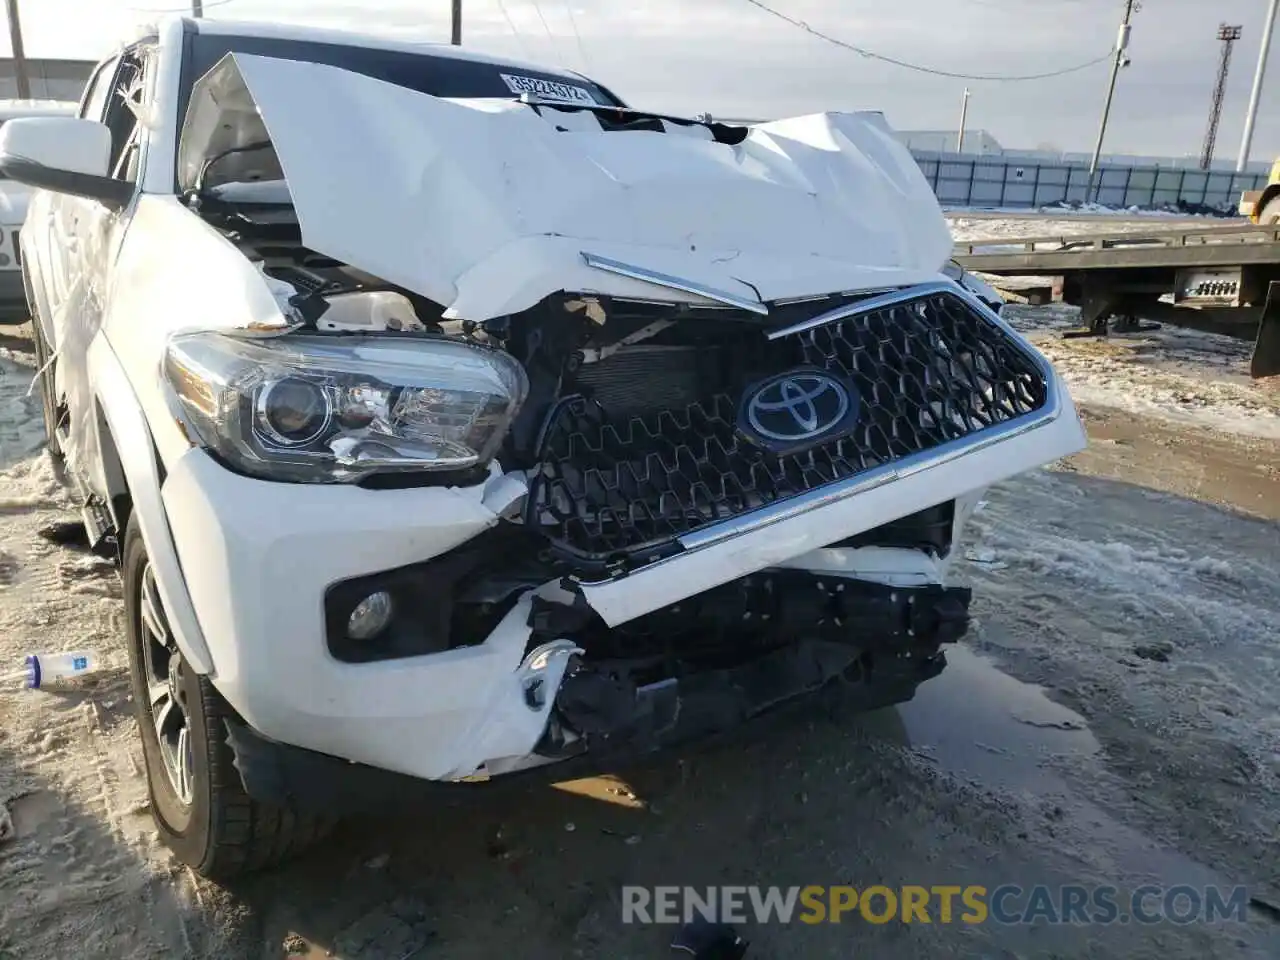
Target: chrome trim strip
[[891, 299], [674, 283], [869, 292], [915, 463]]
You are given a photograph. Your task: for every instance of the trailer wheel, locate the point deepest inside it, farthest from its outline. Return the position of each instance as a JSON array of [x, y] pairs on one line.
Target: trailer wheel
[[1270, 215]]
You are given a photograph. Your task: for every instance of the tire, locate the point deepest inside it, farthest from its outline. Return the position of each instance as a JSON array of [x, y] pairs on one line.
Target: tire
[[1270, 215], [197, 800], [48, 405]]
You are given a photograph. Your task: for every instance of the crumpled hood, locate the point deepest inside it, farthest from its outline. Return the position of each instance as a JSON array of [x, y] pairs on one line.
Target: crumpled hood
[[487, 206]]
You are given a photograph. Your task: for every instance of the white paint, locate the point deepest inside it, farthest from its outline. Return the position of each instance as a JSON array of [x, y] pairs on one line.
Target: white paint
[[15, 196], [485, 208], [257, 556], [66, 144]]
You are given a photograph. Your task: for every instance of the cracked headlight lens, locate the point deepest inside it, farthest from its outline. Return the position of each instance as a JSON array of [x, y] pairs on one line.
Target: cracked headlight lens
[[336, 409]]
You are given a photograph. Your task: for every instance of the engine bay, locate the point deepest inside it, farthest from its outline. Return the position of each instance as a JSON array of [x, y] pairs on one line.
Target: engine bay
[[640, 423]]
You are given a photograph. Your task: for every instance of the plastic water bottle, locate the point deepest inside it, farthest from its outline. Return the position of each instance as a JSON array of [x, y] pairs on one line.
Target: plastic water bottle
[[42, 669]]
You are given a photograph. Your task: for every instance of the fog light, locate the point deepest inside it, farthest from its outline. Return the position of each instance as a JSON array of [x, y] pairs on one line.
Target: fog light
[[370, 616]]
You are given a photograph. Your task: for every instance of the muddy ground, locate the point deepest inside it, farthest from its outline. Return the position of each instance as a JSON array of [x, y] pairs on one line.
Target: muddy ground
[[1137, 583]]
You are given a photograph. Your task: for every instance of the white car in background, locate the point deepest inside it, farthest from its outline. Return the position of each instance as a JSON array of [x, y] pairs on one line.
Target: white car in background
[[13, 210], [452, 421]]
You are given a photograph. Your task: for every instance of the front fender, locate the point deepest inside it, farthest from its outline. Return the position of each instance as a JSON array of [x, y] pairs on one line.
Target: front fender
[[138, 462]]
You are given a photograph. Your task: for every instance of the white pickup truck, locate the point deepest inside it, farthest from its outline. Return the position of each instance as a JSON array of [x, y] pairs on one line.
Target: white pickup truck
[[452, 421], [13, 210]]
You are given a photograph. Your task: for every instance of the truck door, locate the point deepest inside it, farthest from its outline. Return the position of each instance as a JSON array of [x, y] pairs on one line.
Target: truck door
[[45, 232], [85, 236]]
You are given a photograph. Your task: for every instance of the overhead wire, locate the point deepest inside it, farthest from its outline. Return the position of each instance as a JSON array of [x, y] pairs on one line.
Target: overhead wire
[[550, 36], [512, 24], [186, 8], [573, 22], [872, 55]]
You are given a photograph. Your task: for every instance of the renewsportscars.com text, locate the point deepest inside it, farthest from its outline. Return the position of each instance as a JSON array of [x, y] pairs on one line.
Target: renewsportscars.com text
[[972, 904]]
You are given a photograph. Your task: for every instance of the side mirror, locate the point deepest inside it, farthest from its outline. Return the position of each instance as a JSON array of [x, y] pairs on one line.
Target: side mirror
[[62, 154]]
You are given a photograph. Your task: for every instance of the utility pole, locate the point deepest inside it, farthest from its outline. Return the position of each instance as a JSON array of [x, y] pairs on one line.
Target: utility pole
[[197, 8], [1121, 60], [21, 80], [1228, 36], [1247, 141], [457, 23], [964, 116]]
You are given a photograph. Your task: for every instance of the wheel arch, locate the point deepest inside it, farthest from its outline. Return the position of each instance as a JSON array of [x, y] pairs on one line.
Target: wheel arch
[[131, 468], [115, 484]]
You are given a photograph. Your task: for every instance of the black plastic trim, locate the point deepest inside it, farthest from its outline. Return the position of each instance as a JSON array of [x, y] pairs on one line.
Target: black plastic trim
[[112, 193], [309, 782]]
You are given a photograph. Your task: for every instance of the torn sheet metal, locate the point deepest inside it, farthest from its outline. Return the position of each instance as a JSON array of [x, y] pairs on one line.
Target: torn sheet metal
[[485, 206], [74, 297]]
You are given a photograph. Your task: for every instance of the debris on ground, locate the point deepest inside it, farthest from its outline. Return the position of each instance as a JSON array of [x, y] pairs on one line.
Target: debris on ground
[[65, 533], [1159, 651], [1265, 906], [704, 940]]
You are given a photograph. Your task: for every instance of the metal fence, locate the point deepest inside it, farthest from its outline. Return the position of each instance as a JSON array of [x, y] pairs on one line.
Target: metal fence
[[970, 181]]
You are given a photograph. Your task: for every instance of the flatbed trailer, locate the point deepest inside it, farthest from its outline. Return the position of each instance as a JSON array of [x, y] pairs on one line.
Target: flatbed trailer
[[1224, 279]]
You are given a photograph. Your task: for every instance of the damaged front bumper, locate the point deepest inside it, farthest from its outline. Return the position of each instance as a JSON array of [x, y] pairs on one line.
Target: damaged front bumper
[[576, 668], [601, 716]]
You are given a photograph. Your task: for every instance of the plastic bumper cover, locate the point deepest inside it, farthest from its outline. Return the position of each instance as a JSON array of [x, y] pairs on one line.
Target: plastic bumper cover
[[718, 703]]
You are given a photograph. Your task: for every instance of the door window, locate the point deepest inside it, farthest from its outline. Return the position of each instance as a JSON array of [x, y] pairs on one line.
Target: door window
[[99, 86], [124, 110]]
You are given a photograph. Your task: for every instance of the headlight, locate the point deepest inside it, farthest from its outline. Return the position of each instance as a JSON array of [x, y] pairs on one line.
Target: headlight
[[336, 409]]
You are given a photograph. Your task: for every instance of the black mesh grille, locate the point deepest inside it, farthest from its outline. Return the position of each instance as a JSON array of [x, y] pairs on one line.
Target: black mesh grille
[[927, 371]]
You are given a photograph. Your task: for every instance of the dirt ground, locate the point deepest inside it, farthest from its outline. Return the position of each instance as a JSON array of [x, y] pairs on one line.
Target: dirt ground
[[1114, 718]]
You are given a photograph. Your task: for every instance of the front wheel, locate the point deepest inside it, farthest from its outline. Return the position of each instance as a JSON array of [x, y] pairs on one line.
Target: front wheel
[[197, 800]]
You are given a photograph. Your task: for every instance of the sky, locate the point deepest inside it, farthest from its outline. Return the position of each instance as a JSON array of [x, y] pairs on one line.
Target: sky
[[733, 60]]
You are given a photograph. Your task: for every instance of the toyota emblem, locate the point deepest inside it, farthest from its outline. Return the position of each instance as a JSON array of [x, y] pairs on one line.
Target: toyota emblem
[[797, 406]]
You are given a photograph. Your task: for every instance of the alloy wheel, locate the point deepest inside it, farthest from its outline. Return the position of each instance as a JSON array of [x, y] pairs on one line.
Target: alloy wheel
[[166, 690]]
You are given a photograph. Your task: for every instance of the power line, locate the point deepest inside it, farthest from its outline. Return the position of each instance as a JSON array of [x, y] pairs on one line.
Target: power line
[[550, 36], [506, 15], [573, 22], [871, 54], [206, 5]]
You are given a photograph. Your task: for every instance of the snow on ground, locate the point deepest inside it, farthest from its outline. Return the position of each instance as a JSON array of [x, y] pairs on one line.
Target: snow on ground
[[1094, 211], [970, 225], [1155, 616], [1206, 607], [1184, 376], [20, 433], [1152, 615]]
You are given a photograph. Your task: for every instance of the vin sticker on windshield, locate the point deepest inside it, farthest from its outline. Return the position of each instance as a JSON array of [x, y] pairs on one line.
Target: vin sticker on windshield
[[548, 89]]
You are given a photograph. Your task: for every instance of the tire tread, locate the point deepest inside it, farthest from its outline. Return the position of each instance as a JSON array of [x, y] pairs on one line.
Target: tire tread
[[255, 836], [241, 835]]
